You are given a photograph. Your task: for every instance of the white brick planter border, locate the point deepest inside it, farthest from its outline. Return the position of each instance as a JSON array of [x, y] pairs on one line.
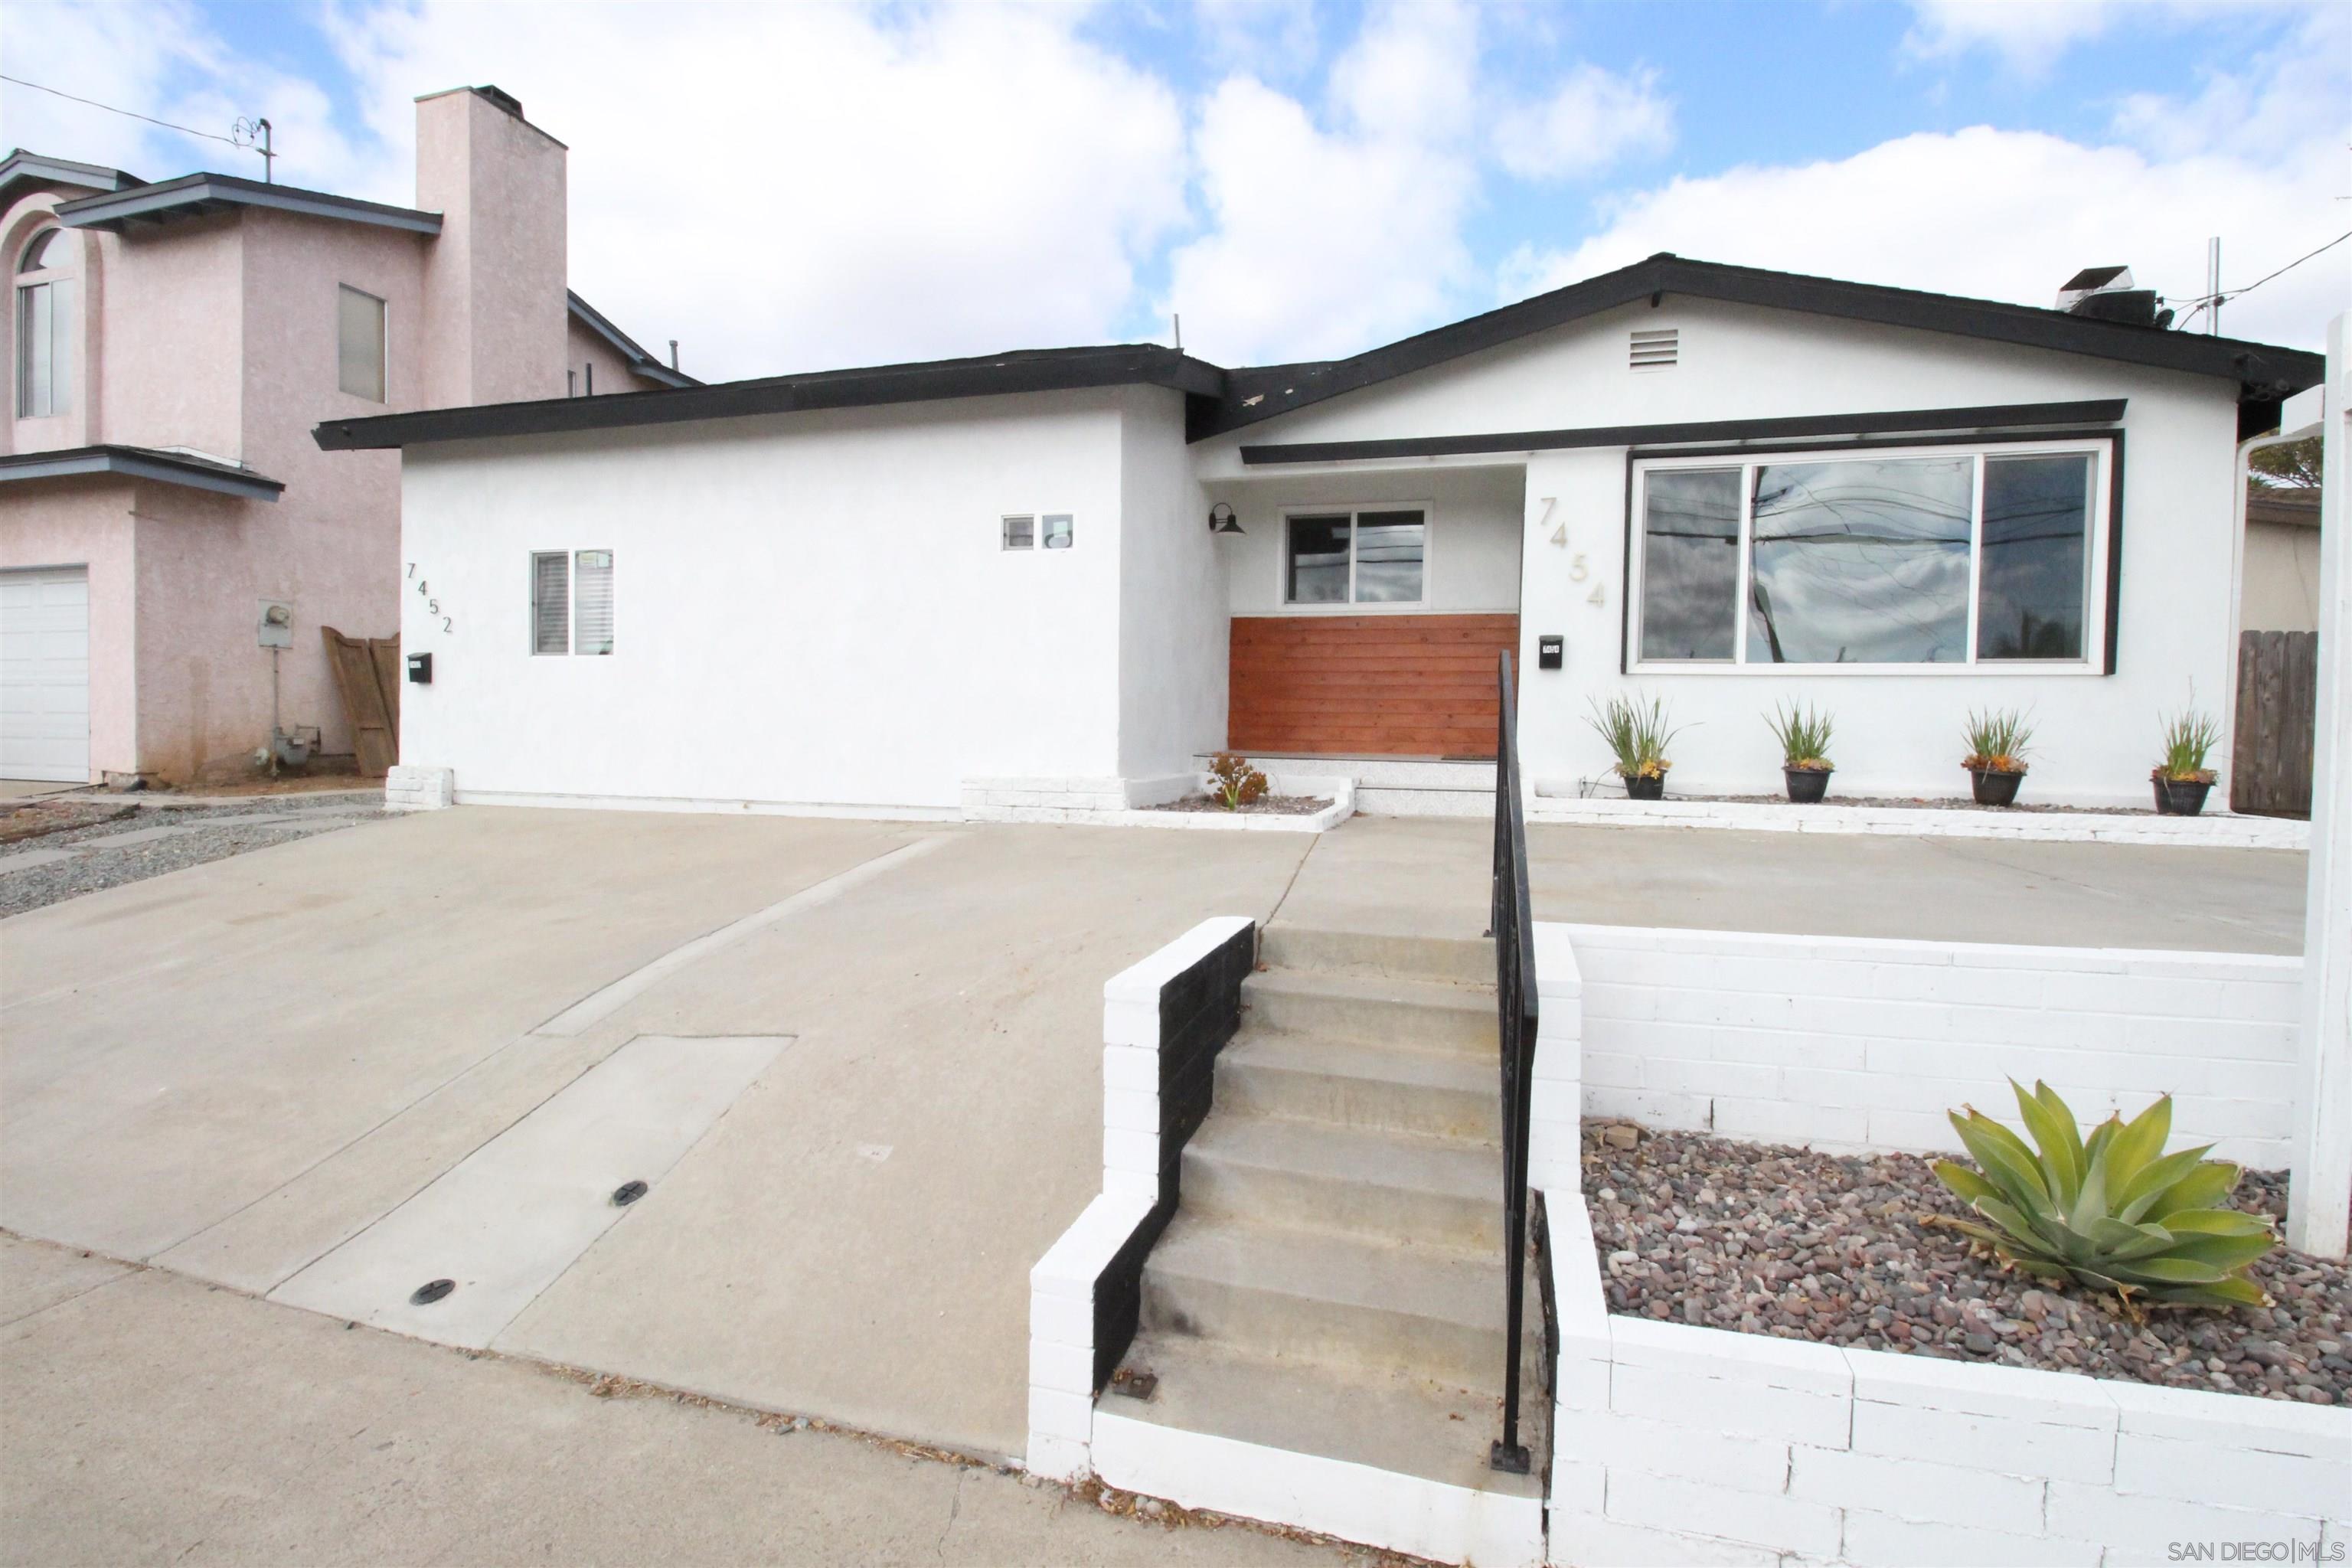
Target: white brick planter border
[[1123, 803], [2216, 832], [1852, 1043], [419, 789], [1680, 1444]]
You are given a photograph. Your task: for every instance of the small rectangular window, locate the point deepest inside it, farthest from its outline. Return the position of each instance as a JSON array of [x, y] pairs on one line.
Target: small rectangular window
[[551, 602], [1020, 532], [1356, 557], [1690, 563], [1057, 531], [358, 343]]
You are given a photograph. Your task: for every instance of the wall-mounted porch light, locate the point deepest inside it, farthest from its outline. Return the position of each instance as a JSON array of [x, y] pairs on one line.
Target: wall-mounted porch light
[[1223, 520]]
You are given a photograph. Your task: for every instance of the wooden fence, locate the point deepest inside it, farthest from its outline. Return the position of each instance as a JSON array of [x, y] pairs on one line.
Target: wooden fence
[[367, 674], [2278, 685]]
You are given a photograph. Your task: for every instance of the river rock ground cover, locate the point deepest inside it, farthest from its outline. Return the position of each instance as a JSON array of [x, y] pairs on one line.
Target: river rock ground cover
[[1832, 1247]]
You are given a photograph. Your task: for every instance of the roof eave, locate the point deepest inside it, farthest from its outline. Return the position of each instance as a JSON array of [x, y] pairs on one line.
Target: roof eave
[[197, 196], [139, 463]]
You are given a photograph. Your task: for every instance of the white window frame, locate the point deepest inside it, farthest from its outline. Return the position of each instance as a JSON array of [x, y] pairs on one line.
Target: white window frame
[[50, 281], [570, 649], [1354, 510], [2101, 450]]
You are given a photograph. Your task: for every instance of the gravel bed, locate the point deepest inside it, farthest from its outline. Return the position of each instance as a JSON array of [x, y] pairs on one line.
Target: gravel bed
[[1263, 805], [1807, 1245], [220, 832], [1928, 803]]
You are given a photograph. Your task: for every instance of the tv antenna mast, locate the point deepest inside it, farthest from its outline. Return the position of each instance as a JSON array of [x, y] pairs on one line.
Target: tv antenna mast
[[254, 134]]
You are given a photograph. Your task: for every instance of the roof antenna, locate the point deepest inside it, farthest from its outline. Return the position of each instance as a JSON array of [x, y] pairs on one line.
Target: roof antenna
[[255, 134], [1180, 333]]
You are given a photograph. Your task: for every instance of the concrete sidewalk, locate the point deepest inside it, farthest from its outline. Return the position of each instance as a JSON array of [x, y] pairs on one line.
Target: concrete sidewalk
[[1431, 875], [148, 1418]]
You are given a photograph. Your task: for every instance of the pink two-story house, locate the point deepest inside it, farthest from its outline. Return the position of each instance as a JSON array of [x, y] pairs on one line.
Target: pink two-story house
[[170, 346]]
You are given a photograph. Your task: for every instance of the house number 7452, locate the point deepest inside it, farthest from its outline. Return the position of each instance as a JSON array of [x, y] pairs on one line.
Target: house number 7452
[[432, 604]]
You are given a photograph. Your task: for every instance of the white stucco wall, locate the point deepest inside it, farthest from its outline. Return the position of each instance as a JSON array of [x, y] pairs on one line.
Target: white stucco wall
[[1472, 561], [1171, 599], [1896, 733], [810, 610]]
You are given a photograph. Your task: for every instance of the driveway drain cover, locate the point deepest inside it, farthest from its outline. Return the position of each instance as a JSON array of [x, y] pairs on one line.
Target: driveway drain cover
[[627, 1192], [432, 1291]]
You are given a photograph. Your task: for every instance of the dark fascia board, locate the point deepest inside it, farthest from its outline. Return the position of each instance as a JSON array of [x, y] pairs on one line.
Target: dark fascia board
[[1996, 416], [22, 169], [140, 463], [1042, 369], [2264, 373], [194, 195], [640, 362]]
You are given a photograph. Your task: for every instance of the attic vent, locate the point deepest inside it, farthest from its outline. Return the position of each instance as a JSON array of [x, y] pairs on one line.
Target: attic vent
[[1657, 347]]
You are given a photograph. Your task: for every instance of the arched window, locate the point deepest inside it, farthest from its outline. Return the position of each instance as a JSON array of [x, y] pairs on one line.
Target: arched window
[[50, 248], [45, 334]]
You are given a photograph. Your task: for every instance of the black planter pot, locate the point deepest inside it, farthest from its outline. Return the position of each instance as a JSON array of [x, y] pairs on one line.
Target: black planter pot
[[1646, 786], [2180, 797], [1995, 788], [1807, 786]]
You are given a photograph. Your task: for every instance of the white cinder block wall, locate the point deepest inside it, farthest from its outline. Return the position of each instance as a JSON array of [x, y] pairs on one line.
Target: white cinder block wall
[[1680, 1444], [1847, 1042]]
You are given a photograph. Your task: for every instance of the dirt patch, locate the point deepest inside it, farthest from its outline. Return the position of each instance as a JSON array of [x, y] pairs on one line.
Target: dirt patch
[[1264, 806], [1806, 1246], [36, 818]]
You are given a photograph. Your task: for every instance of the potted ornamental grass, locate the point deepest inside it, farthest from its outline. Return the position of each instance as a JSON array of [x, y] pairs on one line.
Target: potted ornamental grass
[[1804, 736], [2182, 780], [1997, 741], [1638, 734]]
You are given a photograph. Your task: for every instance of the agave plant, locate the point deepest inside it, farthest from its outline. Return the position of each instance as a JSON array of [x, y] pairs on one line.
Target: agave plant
[[1804, 736], [1996, 740], [2114, 1211], [1637, 733], [2190, 738]]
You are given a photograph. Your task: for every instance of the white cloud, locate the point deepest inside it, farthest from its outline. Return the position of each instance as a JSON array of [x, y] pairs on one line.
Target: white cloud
[[2030, 35], [2010, 215], [1324, 240], [1595, 119]]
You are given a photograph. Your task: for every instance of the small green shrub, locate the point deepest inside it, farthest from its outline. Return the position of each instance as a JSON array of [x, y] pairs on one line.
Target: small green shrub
[[2190, 738], [1804, 736], [2114, 1212], [1232, 783], [1636, 734], [1996, 740]]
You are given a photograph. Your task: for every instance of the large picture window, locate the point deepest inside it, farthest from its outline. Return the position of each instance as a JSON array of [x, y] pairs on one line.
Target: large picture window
[[1372, 556], [1942, 557]]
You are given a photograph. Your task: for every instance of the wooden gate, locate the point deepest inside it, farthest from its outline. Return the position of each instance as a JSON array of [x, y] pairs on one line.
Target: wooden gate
[[367, 673], [2278, 689]]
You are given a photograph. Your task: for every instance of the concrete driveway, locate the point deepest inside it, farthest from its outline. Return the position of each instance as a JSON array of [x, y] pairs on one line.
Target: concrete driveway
[[239, 1071], [856, 1061]]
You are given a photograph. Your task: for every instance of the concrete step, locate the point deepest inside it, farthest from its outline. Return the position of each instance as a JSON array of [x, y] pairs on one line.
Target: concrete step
[[1382, 800], [1418, 1015], [1320, 1176], [1400, 1424], [1444, 1094], [1455, 960], [1360, 1305]]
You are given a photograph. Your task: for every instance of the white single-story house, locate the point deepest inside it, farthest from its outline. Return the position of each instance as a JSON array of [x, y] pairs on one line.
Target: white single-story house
[[881, 590]]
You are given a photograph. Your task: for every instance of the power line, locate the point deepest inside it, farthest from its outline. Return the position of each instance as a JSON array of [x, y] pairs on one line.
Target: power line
[[2204, 302], [182, 129]]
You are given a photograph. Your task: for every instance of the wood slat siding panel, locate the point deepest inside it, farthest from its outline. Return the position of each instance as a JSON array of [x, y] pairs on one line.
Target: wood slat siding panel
[[1366, 685], [2278, 689]]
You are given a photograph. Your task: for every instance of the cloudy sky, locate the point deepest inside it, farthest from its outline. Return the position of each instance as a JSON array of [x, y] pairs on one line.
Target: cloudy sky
[[791, 187]]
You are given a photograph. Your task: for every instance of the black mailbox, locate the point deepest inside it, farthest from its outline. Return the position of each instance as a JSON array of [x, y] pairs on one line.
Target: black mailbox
[[1549, 652], [420, 670]]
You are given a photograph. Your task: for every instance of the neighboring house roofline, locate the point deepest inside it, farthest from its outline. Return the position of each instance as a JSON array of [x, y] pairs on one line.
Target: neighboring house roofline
[[197, 196], [2265, 374], [140, 463], [2296, 506], [22, 169], [1034, 370], [640, 362]]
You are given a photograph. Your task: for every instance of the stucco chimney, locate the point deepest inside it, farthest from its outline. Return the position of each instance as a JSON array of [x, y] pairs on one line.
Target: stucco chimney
[[494, 279]]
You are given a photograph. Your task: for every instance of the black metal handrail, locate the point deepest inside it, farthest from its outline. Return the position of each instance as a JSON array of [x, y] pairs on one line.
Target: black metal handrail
[[1513, 928]]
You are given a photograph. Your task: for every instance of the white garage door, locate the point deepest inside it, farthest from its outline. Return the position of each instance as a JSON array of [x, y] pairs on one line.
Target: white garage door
[[44, 674]]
